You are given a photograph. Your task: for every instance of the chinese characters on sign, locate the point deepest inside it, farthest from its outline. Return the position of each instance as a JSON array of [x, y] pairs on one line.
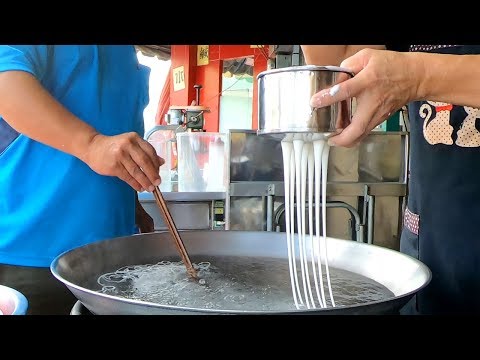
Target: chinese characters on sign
[[178, 78], [202, 55]]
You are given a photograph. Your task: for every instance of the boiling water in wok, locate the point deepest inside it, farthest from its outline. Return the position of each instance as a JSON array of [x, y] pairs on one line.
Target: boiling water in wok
[[231, 283]]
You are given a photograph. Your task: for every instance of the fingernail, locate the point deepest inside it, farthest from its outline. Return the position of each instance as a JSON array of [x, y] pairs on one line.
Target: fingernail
[[151, 188], [334, 90], [142, 190], [330, 142]]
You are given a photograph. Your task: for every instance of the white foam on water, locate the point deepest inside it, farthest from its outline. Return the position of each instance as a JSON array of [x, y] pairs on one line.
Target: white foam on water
[[231, 283]]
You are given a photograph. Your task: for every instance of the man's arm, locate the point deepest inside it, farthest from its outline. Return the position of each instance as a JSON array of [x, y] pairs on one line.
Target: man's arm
[[25, 103], [387, 80], [453, 79], [438, 77], [323, 55]]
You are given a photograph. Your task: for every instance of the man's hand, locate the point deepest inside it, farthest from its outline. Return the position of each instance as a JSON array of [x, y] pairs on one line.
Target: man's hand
[[384, 82], [127, 156]]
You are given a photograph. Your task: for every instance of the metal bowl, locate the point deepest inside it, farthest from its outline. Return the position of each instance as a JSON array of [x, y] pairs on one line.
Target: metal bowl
[[12, 302], [284, 100]]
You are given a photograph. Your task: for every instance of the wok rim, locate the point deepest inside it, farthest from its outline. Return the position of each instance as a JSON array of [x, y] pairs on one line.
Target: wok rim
[[141, 303]]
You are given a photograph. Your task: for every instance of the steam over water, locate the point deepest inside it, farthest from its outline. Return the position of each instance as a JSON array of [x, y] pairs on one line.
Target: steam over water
[[233, 284]]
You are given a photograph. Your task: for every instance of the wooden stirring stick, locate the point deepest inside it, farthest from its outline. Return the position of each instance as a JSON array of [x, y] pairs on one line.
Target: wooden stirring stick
[[167, 217]]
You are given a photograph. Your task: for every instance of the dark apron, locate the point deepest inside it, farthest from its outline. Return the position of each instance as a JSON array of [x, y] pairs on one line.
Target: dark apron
[[442, 223]]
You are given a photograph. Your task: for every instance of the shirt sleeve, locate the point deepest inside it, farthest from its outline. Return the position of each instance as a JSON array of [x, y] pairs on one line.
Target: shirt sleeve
[[29, 58]]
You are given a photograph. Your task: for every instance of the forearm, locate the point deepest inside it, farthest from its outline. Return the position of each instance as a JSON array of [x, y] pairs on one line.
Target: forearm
[[31, 110], [453, 79], [324, 55]]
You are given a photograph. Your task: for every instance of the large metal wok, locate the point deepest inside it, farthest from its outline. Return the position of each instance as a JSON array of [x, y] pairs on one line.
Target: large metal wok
[[79, 268]]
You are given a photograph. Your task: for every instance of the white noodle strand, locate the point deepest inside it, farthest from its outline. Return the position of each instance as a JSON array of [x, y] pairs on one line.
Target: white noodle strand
[[311, 173], [287, 152], [318, 149], [292, 224], [325, 153], [303, 238], [298, 149]]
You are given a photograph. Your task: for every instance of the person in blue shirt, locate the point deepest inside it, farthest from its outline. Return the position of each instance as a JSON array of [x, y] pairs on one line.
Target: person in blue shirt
[[72, 158], [440, 85]]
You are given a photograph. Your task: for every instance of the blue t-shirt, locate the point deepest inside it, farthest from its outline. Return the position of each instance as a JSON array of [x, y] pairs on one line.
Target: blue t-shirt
[[51, 201]]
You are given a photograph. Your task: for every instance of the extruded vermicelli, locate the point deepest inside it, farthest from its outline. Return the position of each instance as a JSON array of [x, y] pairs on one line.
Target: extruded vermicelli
[[310, 159], [303, 238], [318, 149], [287, 153], [298, 147], [325, 153]]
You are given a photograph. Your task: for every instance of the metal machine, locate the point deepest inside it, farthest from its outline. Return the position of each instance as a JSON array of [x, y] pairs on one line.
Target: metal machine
[[189, 117]]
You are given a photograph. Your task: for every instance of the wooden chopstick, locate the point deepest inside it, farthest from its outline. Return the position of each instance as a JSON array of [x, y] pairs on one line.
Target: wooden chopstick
[[174, 232]]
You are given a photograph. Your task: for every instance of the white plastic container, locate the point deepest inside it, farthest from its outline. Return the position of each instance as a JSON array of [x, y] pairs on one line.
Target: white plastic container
[[163, 143], [202, 162]]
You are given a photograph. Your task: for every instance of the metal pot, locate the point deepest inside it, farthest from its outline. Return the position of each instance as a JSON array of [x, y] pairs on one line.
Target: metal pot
[[80, 268], [284, 100]]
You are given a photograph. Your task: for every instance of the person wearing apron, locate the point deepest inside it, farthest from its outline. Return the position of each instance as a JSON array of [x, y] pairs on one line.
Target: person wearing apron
[[441, 220]]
